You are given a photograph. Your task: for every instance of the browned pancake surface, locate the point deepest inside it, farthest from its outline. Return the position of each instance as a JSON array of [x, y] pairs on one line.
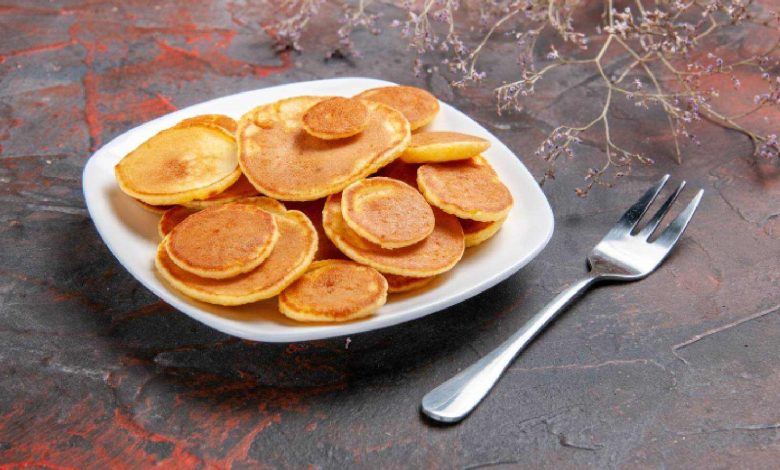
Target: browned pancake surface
[[334, 290], [313, 210], [400, 170], [397, 284], [178, 165], [336, 118], [469, 189], [417, 105], [223, 240], [173, 217], [387, 212]]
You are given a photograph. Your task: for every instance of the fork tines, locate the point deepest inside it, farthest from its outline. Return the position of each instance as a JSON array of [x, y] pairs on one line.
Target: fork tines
[[671, 234]]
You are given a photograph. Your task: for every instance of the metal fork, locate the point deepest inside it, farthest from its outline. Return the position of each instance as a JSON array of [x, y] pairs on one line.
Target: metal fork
[[620, 256]]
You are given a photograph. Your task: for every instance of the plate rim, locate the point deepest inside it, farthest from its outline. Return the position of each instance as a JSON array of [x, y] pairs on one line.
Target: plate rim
[[325, 330]]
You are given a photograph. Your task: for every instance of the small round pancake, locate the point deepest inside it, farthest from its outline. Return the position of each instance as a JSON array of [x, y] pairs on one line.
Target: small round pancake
[[151, 208], [171, 218], [178, 165], [336, 118], [283, 161], [289, 259], [400, 170], [313, 210], [437, 146], [469, 189], [477, 232], [219, 121], [387, 212], [434, 255], [397, 284], [416, 104], [223, 241], [334, 291], [240, 189]]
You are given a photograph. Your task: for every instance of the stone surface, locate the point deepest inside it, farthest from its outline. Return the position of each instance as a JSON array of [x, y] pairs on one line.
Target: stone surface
[[678, 370]]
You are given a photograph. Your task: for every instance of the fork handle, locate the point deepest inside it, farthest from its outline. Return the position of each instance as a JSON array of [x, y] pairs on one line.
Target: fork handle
[[451, 401]]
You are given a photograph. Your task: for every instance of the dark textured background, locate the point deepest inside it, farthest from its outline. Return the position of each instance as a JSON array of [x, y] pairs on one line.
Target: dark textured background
[[677, 370]]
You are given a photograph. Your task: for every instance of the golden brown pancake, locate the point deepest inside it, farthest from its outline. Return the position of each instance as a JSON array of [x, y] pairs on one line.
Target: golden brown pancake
[[178, 165], [223, 241], [400, 170], [416, 104], [336, 118], [283, 161], [477, 232], [437, 146], [289, 259], [240, 189], [387, 212], [434, 255], [396, 284], [171, 218], [334, 291], [469, 189], [151, 208], [219, 121], [313, 210]]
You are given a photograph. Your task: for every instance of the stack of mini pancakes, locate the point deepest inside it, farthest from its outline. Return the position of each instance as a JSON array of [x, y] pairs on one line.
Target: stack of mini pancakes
[[330, 203]]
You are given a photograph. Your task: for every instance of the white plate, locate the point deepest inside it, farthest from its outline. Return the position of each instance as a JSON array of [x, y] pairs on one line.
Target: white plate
[[131, 232]]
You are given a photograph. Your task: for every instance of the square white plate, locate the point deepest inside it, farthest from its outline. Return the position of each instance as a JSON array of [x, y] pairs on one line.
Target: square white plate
[[131, 232]]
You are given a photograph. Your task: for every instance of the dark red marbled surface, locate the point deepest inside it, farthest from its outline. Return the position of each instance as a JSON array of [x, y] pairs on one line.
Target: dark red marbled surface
[[679, 370]]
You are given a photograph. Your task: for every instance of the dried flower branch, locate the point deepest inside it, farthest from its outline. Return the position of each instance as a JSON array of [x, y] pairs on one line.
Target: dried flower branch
[[657, 53]]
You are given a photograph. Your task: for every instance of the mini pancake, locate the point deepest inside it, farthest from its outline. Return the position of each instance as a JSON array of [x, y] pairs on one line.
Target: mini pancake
[[416, 104], [334, 291], [289, 259], [313, 210], [469, 189], [397, 284], [171, 218], [477, 232], [240, 189], [434, 255], [400, 170], [178, 165], [223, 241], [443, 147], [151, 208], [336, 118], [219, 121], [387, 212], [283, 161]]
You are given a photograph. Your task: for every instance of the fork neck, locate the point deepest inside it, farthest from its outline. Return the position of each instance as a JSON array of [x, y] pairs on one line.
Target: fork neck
[[574, 290]]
